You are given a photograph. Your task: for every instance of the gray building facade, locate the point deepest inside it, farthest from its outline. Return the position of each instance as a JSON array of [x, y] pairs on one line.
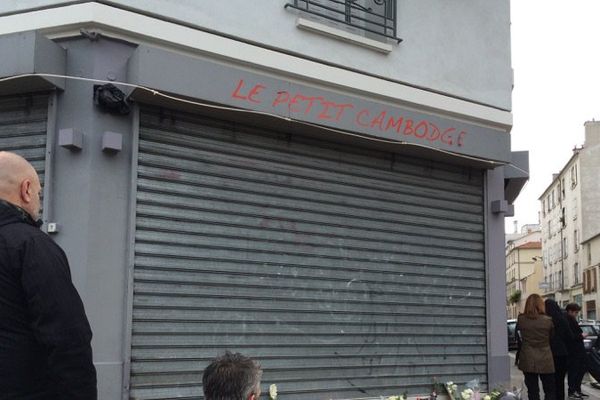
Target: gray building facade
[[319, 185]]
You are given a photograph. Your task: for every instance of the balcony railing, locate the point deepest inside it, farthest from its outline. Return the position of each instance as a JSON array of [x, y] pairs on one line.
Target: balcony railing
[[373, 16]]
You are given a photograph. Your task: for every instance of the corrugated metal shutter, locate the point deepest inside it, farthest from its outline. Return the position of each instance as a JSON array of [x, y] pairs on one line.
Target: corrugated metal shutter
[[346, 272], [23, 125]]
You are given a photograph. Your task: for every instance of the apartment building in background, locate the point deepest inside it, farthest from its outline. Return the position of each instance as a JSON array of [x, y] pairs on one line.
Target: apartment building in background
[[591, 298], [570, 223], [524, 271], [590, 215]]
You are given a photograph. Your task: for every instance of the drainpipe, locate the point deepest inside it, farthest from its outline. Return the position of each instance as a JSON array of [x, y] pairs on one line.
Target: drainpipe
[[519, 268], [562, 261], [562, 253]]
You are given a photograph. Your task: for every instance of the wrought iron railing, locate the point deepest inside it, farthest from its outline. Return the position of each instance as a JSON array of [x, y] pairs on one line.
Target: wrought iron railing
[[373, 16]]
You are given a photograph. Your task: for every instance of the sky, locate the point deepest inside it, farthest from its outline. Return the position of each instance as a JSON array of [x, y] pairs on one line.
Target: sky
[[556, 62]]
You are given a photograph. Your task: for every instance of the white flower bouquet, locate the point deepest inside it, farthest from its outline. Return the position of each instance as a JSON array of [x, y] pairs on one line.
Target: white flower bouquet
[[273, 392], [451, 389]]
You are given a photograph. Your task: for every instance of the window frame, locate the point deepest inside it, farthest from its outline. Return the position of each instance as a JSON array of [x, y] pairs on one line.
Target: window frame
[[329, 10]]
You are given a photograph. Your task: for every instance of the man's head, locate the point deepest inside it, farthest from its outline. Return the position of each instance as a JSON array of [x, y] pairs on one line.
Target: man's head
[[573, 309], [19, 183], [232, 376]]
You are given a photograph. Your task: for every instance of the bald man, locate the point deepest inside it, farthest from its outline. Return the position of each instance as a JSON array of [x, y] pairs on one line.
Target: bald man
[[45, 337]]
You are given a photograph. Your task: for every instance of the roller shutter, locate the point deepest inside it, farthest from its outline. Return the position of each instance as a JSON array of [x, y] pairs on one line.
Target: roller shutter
[[23, 125], [346, 272]]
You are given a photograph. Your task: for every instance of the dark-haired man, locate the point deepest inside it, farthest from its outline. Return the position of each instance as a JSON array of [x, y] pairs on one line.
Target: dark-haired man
[[576, 362], [232, 376]]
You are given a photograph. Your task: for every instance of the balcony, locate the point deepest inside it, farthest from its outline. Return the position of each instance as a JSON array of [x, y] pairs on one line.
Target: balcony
[[368, 17]]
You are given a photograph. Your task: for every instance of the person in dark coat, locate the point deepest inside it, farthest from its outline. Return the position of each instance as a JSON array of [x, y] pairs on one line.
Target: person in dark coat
[[45, 337], [558, 343], [535, 355], [577, 360]]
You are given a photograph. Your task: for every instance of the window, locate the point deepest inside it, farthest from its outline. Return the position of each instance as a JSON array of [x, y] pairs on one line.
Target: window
[[560, 282], [367, 17], [573, 176], [563, 250], [590, 309], [562, 193], [576, 240], [552, 197], [575, 274], [586, 282], [544, 207], [589, 281]]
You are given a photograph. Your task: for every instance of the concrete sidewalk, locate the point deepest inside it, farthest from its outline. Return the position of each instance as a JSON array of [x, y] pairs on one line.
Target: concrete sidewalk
[[516, 379]]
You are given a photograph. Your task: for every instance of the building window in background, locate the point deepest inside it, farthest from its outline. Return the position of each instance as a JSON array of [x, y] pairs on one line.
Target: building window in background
[[544, 207], [590, 309], [587, 281]]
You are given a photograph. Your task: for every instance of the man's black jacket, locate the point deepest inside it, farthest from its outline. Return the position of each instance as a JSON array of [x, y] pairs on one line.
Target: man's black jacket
[[45, 351], [576, 347]]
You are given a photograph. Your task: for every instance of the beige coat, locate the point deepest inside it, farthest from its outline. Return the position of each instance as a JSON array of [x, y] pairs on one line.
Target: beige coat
[[535, 355]]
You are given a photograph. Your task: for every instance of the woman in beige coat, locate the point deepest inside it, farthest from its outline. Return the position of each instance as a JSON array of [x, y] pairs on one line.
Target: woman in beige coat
[[535, 355]]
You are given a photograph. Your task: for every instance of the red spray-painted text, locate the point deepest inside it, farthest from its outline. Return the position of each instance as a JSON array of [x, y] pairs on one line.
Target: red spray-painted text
[[326, 110]]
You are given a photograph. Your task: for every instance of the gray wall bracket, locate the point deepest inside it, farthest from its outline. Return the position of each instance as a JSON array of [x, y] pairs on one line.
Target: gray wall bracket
[[112, 142], [71, 139], [502, 207]]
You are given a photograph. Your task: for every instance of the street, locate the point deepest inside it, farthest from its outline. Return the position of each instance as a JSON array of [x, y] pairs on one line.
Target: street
[[516, 379]]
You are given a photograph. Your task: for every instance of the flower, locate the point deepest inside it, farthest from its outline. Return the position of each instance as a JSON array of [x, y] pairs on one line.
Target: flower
[[273, 391], [451, 388], [487, 397], [401, 397], [505, 394], [467, 394]]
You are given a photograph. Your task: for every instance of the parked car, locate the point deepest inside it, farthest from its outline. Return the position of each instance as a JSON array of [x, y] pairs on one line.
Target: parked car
[[591, 339], [512, 333]]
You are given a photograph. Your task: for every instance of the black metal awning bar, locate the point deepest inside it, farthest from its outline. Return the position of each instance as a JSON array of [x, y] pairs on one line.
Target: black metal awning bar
[[381, 24]]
